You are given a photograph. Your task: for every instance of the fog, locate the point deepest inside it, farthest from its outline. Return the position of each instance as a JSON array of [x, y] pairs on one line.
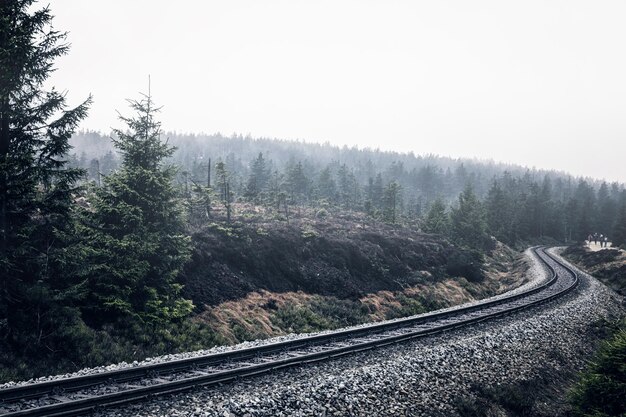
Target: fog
[[535, 83]]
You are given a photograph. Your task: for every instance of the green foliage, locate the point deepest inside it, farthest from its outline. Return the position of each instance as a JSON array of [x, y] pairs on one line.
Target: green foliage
[[87, 347], [466, 264], [619, 229], [392, 201], [322, 313], [39, 256], [467, 221], [297, 183], [137, 240], [498, 212], [300, 319], [601, 389], [408, 306], [437, 220], [258, 179], [326, 185], [514, 399]]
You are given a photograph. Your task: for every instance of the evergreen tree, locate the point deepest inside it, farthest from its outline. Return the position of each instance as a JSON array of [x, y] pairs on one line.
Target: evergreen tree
[[583, 223], [345, 186], [436, 220], [39, 255], [138, 238], [498, 213], [393, 201], [326, 185], [606, 210], [222, 179], [259, 176], [377, 191], [467, 221], [618, 237], [297, 183]]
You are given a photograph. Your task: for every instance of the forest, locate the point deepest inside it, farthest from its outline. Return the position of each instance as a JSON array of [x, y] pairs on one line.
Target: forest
[[514, 204], [97, 229]]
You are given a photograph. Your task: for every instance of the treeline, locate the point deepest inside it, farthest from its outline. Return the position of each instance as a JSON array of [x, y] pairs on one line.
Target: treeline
[[515, 205]]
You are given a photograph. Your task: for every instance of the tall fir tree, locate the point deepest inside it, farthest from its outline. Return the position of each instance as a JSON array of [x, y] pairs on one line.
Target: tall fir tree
[[619, 228], [326, 185], [139, 244], [258, 179], [393, 201], [467, 221], [38, 252], [498, 213], [436, 220]]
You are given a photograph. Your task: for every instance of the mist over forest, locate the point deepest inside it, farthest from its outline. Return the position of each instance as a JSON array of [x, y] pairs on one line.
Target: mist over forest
[[539, 202]]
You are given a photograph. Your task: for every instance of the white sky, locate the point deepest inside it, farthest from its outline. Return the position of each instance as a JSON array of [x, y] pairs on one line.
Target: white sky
[[539, 83]]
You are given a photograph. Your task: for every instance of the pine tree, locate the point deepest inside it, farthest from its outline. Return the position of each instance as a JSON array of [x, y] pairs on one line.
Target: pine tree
[[467, 221], [259, 176], [326, 185], [377, 191], [436, 220], [583, 224], [39, 256], [618, 237], [393, 201], [498, 213], [606, 210], [222, 178], [297, 183], [138, 240]]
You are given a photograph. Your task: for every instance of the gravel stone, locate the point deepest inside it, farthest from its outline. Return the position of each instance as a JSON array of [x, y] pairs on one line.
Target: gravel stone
[[424, 377]]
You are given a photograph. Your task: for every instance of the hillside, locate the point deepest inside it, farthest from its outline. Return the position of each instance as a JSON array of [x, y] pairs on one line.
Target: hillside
[[521, 204], [608, 265], [260, 278]]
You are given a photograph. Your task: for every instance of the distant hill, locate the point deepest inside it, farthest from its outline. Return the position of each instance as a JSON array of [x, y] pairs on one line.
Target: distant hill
[[271, 171]]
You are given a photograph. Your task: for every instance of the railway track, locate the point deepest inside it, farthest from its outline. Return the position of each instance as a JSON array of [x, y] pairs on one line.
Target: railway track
[[84, 394]]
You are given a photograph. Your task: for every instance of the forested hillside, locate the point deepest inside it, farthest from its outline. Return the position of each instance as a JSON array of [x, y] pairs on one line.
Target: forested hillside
[[518, 204]]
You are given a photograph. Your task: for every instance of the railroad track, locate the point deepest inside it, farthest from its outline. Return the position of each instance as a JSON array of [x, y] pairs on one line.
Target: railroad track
[[84, 394]]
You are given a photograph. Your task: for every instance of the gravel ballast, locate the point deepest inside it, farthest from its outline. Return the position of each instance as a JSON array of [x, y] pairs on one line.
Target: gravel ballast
[[425, 377]]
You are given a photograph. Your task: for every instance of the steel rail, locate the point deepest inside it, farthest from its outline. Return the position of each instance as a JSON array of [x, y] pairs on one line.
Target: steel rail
[[131, 373], [84, 405]]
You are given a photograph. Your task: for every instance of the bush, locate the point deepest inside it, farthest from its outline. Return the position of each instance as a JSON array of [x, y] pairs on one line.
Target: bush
[[466, 264], [601, 390]]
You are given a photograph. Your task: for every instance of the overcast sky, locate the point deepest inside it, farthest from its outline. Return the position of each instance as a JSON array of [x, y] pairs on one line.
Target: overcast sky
[[539, 83]]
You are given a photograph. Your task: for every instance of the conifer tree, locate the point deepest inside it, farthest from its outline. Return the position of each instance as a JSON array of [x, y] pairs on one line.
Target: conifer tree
[[297, 183], [326, 185], [38, 255], [498, 213], [139, 245], [377, 191], [467, 221], [618, 237], [258, 179], [393, 201], [437, 220]]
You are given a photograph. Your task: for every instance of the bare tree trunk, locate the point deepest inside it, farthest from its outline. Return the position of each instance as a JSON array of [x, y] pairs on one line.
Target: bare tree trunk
[[228, 201], [208, 177]]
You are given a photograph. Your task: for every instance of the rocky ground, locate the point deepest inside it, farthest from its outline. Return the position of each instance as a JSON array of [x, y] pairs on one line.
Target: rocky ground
[[607, 265], [518, 365]]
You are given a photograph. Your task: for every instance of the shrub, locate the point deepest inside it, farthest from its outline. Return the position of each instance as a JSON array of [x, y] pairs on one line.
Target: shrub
[[465, 264], [601, 390]]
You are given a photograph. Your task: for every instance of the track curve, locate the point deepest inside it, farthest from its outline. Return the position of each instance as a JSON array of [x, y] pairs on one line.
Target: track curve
[[80, 395]]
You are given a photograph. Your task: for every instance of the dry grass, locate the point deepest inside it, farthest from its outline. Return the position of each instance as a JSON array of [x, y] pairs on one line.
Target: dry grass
[[254, 316]]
